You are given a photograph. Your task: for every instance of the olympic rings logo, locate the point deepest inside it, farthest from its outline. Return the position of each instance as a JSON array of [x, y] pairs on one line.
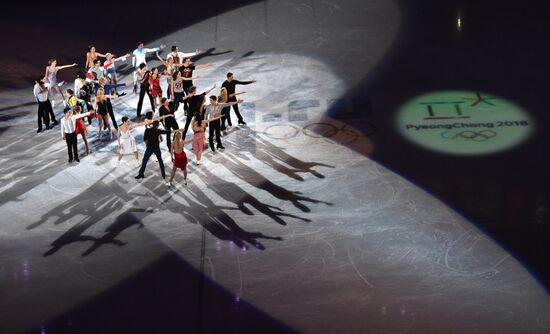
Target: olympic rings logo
[[317, 130], [480, 136]]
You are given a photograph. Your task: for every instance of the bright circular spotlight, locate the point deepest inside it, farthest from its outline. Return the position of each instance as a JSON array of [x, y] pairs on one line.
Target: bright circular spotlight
[[463, 122]]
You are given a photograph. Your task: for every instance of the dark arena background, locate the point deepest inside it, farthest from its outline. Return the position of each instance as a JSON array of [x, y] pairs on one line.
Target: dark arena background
[[392, 176]]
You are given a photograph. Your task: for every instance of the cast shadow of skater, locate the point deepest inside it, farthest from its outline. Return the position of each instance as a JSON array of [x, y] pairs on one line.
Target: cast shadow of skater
[[274, 157], [233, 193], [122, 222], [269, 152], [89, 204], [252, 177], [74, 234], [93, 210], [20, 169], [219, 223], [209, 53]]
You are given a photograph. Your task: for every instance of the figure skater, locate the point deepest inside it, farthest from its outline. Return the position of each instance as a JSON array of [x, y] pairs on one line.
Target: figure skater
[[186, 70], [126, 142], [139, 57], [51, 76], [72, 101], [96, 72], [91, 56], [179, 158], [103, 111], [151, 138], [80, 127], [195, 103], [110, 68], [178, 56], [156, 90], [179, 94], [143, 76], [68, 132], [110, 88], [199, 140], [211, 111], [167, 108], [83, 90], [224, 98], [230, 84], [42, 94], [169, 70]]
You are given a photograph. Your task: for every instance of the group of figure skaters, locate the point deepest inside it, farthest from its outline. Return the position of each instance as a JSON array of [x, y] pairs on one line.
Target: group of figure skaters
[[97, 85]]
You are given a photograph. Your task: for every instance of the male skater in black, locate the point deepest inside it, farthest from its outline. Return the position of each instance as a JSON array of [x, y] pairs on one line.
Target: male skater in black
[[143, 79], [230, 84], [151, 138], [170, 123], [195, 100], [186, 70]]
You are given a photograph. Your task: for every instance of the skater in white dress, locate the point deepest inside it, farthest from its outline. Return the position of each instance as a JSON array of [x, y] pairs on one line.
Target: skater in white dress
[[126, 142]]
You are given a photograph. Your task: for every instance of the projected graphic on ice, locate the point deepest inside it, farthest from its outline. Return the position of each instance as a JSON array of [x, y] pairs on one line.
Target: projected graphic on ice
[[463, 122]]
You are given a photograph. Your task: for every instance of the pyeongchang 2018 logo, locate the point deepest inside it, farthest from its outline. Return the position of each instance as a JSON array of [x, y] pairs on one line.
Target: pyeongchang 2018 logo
[[462, 122]]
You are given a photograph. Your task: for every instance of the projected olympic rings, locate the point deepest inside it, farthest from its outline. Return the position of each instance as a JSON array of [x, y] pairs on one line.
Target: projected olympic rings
[[318, 130], [281, 131], [480, 136]]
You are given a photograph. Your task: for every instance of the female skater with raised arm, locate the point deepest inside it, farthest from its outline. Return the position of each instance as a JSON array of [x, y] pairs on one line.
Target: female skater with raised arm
[[198, 126], [178, 89], [91, 56], [156, 90], [81, 127], [179, 158], [103, 111], [51, 76], [110, 68], [126, 142], [169, 72], [224, 98]]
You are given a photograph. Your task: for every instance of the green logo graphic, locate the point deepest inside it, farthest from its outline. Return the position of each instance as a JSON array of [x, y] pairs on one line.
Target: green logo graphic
[[463, 122]]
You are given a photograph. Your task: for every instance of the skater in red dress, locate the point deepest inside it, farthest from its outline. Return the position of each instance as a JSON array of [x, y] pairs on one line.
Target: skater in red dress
[[81, 127], [179, 158], [156, 90]]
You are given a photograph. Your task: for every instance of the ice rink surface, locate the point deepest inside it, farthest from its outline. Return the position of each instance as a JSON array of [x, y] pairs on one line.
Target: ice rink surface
[[293, 217]]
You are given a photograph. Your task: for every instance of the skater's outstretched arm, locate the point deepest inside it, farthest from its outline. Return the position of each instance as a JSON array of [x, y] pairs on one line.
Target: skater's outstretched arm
[[212, 119], [81, 115], [65, 66], [209, 89], [149, 121], [237, 82], [164, 62], [203, 66], [193, 78], [235, 94], [223, 105]]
